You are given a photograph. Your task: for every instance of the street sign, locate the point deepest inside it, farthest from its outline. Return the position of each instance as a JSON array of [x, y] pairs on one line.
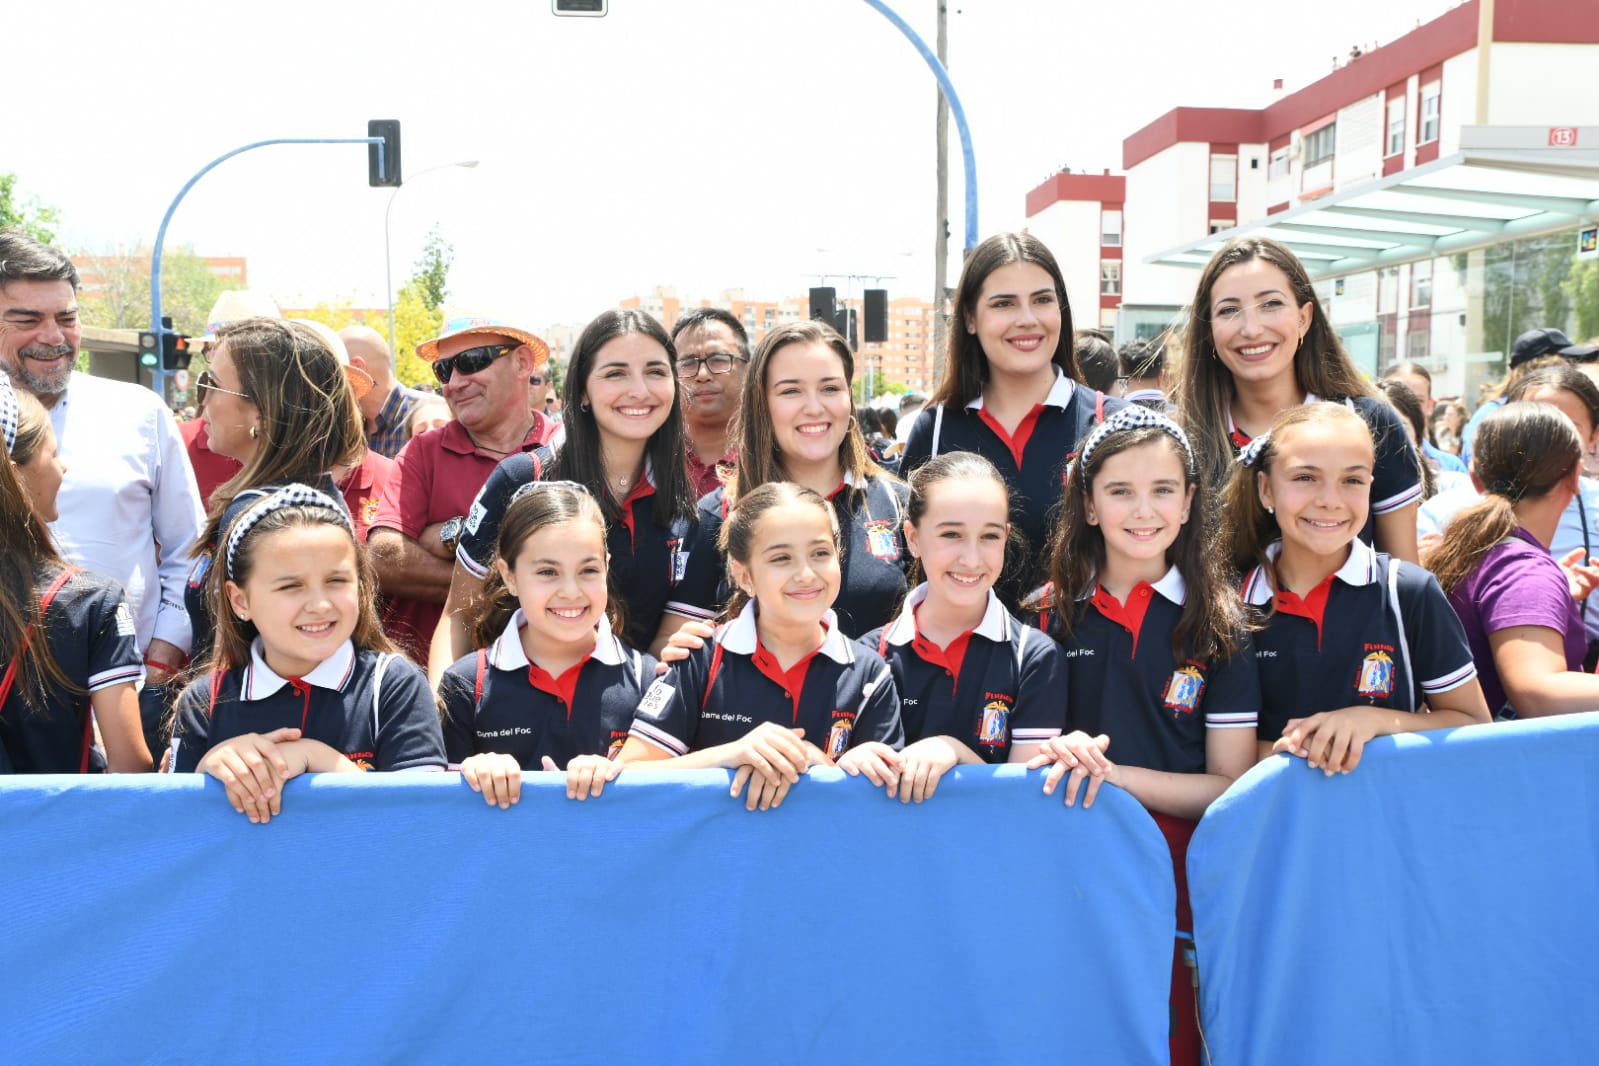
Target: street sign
[[1588, 242], [181, 380]]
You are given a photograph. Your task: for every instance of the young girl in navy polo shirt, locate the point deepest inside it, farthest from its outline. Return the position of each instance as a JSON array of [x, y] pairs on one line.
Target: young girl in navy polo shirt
[[1352, 640], [1162, 692], [66, 635], [976, 686], [551, 685], [301, 678], [779, 688], [1010, 391]]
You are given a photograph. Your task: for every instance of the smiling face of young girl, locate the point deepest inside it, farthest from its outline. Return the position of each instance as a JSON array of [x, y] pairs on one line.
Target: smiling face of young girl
[[1140, 498], [793, 568], [1319, 485], [302, 593], [558, 577], [960, 539]]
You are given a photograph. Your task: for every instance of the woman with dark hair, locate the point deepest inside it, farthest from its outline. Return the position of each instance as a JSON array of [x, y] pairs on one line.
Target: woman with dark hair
[[1010, 391], [797, 423], [1258, 343], [624, 444], [281, 403], [1515, 601]]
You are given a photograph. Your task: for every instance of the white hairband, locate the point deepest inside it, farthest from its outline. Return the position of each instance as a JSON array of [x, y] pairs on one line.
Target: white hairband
[[8, 413], [1254, 449], [295, 495], [1136, 416]]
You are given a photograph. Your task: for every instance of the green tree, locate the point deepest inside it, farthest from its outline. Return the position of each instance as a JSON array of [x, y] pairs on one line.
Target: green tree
[[414, 322], [117, 295], [432, 270], [30, 216], [1582, 289], [337, 318]]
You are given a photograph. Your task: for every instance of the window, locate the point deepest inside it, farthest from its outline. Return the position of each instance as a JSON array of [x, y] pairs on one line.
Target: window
[[1110, 229], [1223, 178], [1110, 277], [1429, 113], [1421, 284], [1219, 224], [1277, 166], [1396, 126], [1319, 146], [1418, 344]]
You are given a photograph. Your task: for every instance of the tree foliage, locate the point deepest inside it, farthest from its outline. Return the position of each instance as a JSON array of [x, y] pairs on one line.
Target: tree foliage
[[432, 270], [1582, 288], [414, 322], [30, 216], [116, 291]]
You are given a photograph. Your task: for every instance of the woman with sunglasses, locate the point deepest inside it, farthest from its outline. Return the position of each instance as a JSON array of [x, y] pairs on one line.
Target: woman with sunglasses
[[280, 402], [624, 445]]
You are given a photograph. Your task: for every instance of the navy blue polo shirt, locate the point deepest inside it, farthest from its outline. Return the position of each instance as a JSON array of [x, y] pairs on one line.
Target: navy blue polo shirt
[[845, 695], [1000, 684], [495, 700], [871, 566], [647, 561], [1378, 632], [1125, 682], [194, 591], [89, 631], [1395, 476], [386, 721], [1033, 462]]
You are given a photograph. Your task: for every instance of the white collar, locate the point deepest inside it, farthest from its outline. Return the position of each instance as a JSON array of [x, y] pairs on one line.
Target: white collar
[[1171, 585], [902, 630], [740, 637], [506, 653], [1232, 427], [1359, 569], [332, 673], [1060, 393], [1144, 394]]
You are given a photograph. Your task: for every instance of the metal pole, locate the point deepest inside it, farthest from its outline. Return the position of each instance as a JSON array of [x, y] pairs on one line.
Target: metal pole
[[941, 232], [158, 376], [388, 259]]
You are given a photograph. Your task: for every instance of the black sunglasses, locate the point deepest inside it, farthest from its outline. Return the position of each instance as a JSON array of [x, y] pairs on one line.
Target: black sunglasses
[[471, 361]]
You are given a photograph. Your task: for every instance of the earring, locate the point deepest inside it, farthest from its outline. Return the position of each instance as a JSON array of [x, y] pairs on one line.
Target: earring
[[1271, 510], [255, 431], [583, 405]]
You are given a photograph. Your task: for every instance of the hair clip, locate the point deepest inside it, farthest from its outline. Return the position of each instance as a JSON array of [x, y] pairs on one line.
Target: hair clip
[[534, 486], [1254, 449], [1135, 416], [294, 495], [8, 413]]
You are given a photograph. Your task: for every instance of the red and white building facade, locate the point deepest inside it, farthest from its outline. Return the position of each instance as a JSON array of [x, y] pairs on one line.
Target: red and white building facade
[[1522, 75]]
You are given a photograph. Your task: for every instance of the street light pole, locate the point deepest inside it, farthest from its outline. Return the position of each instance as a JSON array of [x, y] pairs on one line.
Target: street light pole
[[388, 259]]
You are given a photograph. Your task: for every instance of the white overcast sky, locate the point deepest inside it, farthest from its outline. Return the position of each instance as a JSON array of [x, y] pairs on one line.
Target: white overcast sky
[[706, 145]]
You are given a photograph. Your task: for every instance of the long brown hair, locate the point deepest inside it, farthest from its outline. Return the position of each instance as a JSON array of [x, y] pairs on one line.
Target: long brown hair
[[1204, 388], [310, 424], [737, 539], [759, 461], [26, 547], [965, 364], [1212, 618], [234, 635], [1522, 451], [547, 503], [1403, 399], [1246, 524]]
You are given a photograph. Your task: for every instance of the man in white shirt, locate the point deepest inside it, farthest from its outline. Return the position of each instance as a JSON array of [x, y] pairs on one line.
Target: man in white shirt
[[129, 507]]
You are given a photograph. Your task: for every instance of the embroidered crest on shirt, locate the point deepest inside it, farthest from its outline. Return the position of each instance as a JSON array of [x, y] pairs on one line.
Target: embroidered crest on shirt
[[1376, 679], [880, 540], [201, 566], [993, 726], [124, 620], [1183, 689], [838, 735], [369, 510], [474, 517], [677, 558]]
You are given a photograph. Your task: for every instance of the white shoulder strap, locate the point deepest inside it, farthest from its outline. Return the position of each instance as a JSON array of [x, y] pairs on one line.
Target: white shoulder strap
[[377, 690], [938, 427], [1404, 638]]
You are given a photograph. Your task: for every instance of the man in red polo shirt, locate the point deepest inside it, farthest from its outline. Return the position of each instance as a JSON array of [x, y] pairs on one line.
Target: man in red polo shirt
[[484, 366], [713, 356]]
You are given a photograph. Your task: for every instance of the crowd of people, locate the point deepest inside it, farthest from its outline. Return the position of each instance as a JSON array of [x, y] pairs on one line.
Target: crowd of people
[[1150, 567]]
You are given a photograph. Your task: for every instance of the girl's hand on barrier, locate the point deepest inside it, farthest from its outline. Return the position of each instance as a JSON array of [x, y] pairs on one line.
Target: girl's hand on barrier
[[498, 777], [691, 636], [252, 768], [1331, 741], [924, 765], [765, 792], [586, 775], [1082, 757], [879, 762], [770, 750]]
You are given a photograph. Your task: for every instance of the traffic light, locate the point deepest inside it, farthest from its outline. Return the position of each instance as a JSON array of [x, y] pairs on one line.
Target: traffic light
[[149, 349], [876, 316], [386, 172], [581, 8], [175, 353]]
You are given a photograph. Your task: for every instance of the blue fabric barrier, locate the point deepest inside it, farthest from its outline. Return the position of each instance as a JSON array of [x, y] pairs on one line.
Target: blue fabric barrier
[[1440, 904], [398, 918]]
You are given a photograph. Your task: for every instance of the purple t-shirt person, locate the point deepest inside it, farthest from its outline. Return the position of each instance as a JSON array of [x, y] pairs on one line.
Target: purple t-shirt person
[[1518, 583]]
